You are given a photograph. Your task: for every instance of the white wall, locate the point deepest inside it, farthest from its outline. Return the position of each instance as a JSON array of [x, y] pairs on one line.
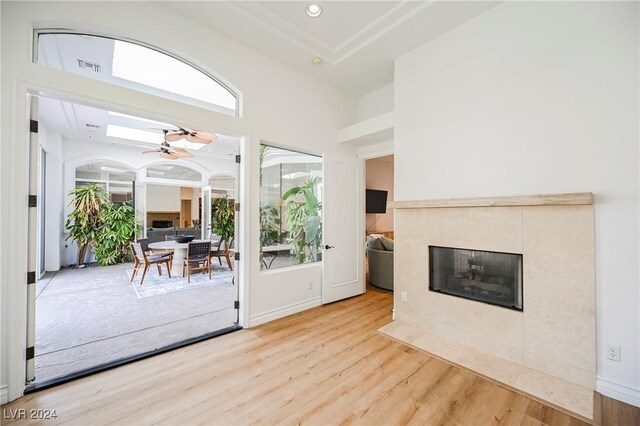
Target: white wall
[[537, 98], [379, 175], [162, 198], [279, 105], [375, 103]]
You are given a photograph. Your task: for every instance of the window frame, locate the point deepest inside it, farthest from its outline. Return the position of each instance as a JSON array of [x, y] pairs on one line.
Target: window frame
[[37, 32]]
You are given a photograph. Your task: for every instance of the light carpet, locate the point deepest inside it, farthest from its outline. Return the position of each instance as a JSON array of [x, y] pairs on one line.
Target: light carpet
[[155, 285]]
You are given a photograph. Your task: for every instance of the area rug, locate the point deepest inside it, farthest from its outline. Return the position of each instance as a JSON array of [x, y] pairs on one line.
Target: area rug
[[155, 285]]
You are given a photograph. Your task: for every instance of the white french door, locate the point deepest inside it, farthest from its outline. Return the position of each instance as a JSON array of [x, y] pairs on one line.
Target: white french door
[[343, 256], [32, 275], [205, 218]]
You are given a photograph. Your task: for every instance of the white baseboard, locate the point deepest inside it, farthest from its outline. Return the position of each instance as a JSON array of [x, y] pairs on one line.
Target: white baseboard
[[4, 394], [284, 311], [618, 391]]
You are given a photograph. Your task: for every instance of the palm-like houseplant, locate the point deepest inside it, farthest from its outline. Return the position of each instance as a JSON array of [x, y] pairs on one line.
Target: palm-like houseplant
[[84, 221], [118, 228], [222, 218], [304, 221]]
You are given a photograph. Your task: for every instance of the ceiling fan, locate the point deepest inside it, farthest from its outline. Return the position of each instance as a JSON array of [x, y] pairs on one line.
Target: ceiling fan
[[169, 152], [194, 136]]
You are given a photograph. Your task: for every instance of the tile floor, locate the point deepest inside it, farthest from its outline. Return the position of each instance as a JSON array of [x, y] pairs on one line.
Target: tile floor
[[90, 316]]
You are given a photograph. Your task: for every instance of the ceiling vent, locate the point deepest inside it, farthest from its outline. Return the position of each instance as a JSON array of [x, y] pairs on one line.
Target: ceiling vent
[[85, 65]]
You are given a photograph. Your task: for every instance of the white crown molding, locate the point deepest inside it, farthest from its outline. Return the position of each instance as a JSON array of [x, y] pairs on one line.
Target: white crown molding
[[263, 16], [618, 391], [385, 25], [345, 49]]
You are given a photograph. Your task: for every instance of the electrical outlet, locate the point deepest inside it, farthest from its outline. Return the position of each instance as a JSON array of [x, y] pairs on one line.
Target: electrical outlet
[[403, 296], [613, 353]]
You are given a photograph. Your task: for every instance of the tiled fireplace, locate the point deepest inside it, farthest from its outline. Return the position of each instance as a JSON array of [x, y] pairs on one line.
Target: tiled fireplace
[[511, 295]]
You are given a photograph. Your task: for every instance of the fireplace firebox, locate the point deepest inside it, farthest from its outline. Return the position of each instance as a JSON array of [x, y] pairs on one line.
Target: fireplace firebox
[[484, 276]]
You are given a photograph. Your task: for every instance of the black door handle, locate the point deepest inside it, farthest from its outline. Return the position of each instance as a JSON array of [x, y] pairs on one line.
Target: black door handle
[[327, 247]]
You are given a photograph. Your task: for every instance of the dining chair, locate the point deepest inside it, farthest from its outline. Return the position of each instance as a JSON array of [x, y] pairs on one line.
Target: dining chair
[[144, 242], [141, 259], [198, 258], [223, 251]]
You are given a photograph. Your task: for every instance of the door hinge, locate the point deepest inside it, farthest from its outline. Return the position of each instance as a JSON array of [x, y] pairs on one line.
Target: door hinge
[[237, 207], [33, 126], [236, 255], [236, 304], [31, 352], [31, 277], [33, 201], [238, 158]]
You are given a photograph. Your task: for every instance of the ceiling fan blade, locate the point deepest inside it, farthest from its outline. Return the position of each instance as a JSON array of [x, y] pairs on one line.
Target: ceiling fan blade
[[199, 138], [180, 152], [172, 137], [169, 156], [148, 152]]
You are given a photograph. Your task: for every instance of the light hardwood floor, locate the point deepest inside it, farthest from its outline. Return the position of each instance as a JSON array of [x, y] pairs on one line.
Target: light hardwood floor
[[323, 366]]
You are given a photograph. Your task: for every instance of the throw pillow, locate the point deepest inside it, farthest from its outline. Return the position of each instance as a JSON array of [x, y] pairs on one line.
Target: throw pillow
[[375, 243], [387, 243]]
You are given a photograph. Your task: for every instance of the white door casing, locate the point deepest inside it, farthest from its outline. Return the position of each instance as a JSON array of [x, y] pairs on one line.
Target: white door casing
[[343, 255], [205, 220]]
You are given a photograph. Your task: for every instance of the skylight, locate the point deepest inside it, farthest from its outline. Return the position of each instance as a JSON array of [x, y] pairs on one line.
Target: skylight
[[133, 117], [137, 135]]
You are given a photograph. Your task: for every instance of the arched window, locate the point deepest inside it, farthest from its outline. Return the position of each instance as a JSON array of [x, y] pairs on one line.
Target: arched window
[[133, 65], [116, 179]]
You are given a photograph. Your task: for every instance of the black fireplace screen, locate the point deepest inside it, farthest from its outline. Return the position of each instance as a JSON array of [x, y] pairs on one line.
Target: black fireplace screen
[[485, 276]]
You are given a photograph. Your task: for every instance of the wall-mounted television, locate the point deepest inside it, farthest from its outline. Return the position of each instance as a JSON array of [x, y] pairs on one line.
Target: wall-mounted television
[[376, 201]]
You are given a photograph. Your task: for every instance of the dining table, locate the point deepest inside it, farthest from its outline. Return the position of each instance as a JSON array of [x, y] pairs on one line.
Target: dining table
[[272, 252], [179, 252]]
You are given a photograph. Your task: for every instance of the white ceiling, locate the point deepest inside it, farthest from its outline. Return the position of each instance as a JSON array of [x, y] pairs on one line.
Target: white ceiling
[[77, 121], [357, 40]]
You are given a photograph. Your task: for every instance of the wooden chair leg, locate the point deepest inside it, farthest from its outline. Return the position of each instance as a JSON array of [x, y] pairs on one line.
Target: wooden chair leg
[[168, 268], [159, 269], [135, 269], [220, 260], [209, 267], [189, 274], [226, 255], [146, 268]]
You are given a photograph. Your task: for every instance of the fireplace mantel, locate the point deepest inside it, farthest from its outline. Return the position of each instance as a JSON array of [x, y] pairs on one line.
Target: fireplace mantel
[[569, 199]]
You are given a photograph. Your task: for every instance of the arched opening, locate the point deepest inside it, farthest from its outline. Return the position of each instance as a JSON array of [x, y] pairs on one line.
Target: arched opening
[[135, 65]]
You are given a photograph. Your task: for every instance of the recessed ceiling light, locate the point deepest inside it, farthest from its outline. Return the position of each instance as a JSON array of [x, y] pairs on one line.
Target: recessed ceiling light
[[313, 10], [316, 61]]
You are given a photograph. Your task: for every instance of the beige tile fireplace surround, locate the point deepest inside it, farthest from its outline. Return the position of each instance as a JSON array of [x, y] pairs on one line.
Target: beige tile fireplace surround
[[546, 351]]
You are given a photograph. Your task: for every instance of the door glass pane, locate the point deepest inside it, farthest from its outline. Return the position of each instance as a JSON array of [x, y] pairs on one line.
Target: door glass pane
[[290, 207]]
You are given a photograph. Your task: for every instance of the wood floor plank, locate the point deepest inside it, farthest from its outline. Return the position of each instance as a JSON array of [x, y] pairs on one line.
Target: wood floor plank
[[324, 366]]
